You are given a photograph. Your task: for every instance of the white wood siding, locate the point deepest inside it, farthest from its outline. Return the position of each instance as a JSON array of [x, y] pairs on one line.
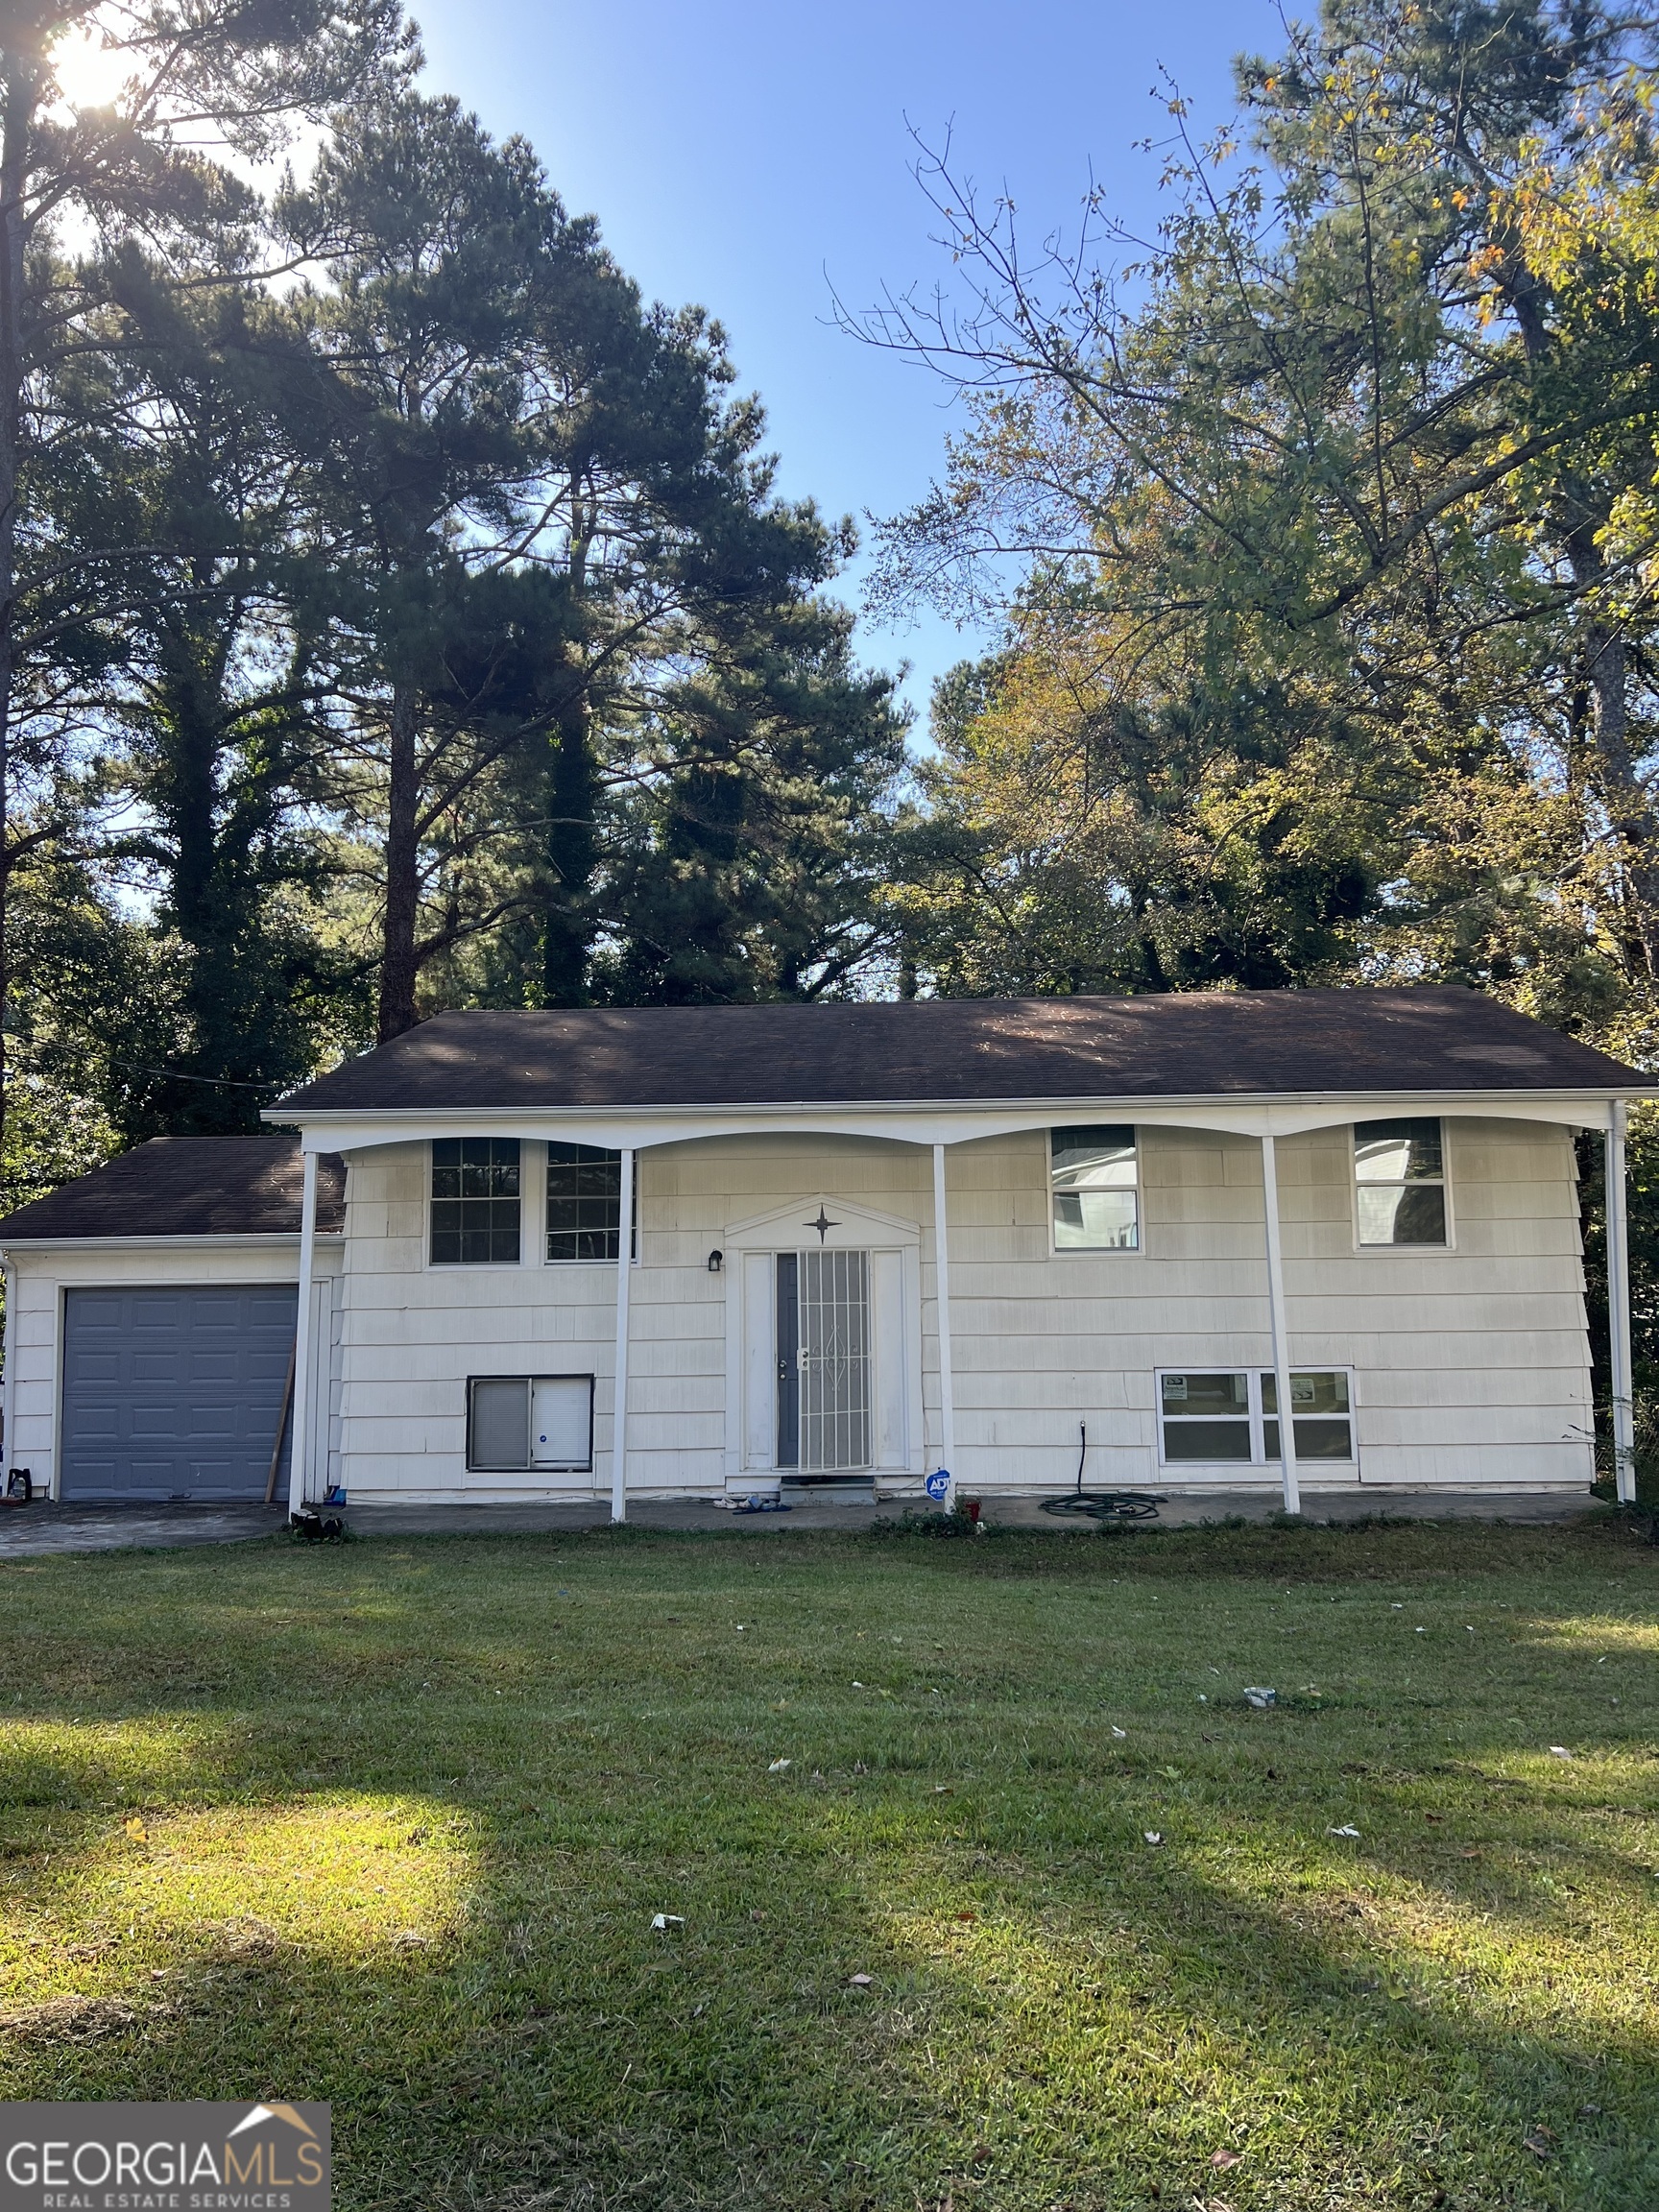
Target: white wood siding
[[1471, 1364]]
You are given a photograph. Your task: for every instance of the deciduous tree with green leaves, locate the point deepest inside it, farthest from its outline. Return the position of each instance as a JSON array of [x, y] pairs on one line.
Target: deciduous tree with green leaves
[[1332, 649]]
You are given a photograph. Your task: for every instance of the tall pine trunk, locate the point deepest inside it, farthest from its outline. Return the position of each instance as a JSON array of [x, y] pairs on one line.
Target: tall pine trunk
[[403, 869], [17, 103], [571, 851]]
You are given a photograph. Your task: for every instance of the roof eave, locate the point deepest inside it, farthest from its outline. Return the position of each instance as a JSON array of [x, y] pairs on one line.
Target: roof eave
[[921, 1120]]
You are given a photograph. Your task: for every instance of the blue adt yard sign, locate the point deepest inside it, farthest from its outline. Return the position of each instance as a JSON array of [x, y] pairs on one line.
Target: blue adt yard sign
[[938, 1484]]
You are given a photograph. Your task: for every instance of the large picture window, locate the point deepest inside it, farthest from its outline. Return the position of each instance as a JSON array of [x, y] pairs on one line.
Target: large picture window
[[1215, 1417], [1093, 1174], [1400, 1181], [476, 1201], [529, 1424], [585, 1202]]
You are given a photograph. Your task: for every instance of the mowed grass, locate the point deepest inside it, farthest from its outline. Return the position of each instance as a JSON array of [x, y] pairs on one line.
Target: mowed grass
[[388, 1824]]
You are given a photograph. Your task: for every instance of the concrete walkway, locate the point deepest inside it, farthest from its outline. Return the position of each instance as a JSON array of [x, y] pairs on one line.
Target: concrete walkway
[[28, 1531], [850, 1516], [31, 1530]]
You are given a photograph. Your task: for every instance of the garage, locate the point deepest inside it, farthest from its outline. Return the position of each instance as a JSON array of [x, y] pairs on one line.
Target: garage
[[174, 1392]]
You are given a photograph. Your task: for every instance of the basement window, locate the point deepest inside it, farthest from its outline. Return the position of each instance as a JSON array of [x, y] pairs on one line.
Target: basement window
[[530, 1424], [1215, 1418], [475, 1201], [1400, 1181], [1094, 1182]]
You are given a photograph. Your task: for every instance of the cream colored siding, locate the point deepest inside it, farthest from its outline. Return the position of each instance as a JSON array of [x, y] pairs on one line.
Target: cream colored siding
[[1470, 1364]]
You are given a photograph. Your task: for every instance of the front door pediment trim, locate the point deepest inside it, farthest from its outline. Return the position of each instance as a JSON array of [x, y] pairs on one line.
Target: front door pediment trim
[[793, 1227]]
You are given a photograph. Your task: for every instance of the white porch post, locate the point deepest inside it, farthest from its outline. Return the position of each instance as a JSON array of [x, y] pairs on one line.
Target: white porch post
[[942, 1300], [1281, 1332], [1618, 1309], [9, 1387], [620, 1417], [300, 1444]]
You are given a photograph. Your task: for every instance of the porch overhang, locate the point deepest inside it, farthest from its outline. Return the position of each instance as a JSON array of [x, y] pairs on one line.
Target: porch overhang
[[1282, 1114]]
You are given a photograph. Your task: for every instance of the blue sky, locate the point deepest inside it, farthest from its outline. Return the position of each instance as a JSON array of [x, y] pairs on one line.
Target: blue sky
[[755, 157]]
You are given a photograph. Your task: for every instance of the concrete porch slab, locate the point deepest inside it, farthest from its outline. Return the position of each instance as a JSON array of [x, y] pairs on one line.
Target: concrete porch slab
[[850, 1516]]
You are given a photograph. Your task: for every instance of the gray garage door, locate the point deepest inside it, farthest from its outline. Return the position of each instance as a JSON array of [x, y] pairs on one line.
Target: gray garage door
[[174, 1393]]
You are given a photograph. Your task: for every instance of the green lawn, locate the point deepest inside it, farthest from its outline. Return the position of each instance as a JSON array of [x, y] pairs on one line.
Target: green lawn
[[388, 1823]]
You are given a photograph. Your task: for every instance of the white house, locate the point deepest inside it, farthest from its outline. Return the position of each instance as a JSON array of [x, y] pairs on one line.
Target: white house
[[861, 1243]]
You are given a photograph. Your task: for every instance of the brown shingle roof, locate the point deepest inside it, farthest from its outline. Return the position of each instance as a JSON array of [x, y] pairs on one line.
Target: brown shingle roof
[[965, 1050], [188, 1187]]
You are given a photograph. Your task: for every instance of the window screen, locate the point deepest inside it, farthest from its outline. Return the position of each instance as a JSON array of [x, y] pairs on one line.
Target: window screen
[[476, 1201], [585, 1202], [498, 1429], [518, 1424], [1400, 1178], [1094, 1182]]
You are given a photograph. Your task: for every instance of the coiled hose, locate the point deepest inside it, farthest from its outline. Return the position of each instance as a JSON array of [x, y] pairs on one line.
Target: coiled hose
[[1100, 1504]]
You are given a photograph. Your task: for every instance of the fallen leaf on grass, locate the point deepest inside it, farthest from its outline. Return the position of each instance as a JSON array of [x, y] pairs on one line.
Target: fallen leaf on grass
[[860, 1980], [1226, 2158], [1538, 2140], [137, 1829]]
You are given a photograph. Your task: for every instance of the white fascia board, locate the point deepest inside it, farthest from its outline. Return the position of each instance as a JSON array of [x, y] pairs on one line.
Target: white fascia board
[[940, 1122], [268, 1240]]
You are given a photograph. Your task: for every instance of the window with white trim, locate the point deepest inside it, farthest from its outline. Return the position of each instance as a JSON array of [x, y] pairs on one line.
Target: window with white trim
[[1400, 1181], [476, 1201], [530, 1424], [585, 1202], [1094, 1185], [1213, 1417]]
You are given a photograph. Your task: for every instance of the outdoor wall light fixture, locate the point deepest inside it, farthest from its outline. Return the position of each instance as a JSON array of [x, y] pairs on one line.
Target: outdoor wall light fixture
[[716, 1260]]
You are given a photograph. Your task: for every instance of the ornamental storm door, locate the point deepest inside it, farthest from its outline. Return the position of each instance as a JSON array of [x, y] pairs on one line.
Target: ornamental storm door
[[824, 1360]]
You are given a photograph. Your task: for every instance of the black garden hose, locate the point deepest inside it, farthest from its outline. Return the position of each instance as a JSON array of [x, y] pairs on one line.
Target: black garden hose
[[1082, 1504]]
